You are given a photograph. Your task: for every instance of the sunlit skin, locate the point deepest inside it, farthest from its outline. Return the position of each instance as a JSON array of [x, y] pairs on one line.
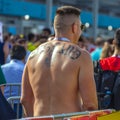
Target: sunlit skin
[[57, 74]]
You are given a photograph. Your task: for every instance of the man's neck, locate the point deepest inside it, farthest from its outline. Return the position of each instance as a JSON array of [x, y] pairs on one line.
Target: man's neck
[[62, 39], [65, 35], [70, 38]]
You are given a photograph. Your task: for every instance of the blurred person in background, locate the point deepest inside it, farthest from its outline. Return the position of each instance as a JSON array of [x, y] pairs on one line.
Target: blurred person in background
[[113, 62], [2, 53], [14, 69], [82, 43], [90, 45], [22, 42], [107, 50], [40, 40], [46, 32], [31, 40], [5, 47], [97, 52], [13, 74]]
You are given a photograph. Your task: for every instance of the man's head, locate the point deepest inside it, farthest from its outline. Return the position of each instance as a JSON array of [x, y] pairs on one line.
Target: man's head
[[46, 32], [31, 37], [99, 42], [67, 22], [117, 38], [22, 42], [18, 52]]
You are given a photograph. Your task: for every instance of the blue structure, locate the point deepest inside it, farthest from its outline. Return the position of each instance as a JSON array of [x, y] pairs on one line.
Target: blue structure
[[21, 8]]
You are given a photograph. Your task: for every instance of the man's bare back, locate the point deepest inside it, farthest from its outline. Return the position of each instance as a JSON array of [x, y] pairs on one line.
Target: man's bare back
[[55, 93], [54, 72], [58, 77]]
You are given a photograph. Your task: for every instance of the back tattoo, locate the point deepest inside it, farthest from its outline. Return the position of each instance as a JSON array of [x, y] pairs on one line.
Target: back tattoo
[[70, 51]]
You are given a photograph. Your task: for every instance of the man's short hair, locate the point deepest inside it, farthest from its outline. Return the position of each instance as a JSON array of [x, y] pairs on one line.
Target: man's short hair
[[99, 41], [66, 16], [47, 30], [117, 37], [68, 10], [18, 52], [21, 40], [30, 36]]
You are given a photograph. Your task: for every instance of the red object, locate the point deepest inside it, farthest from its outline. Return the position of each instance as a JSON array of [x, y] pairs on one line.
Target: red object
[[80, 118], [111, 63]]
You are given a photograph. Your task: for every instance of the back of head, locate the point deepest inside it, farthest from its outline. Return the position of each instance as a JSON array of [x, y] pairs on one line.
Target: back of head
[[107, 50], [99, 42], [65, 17], [20, 41], [46, 32], [117, 37], [18, 52], [31, 36]]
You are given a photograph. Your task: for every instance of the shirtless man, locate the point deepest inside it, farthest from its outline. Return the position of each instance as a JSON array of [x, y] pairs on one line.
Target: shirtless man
[[58, 77]]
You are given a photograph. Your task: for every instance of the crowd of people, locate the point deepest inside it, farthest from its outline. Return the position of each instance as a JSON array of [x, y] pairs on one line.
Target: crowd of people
[[56, 71]]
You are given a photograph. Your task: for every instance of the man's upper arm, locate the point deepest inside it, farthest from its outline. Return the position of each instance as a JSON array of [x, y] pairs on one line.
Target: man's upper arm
[[27, 92], [87, 83]]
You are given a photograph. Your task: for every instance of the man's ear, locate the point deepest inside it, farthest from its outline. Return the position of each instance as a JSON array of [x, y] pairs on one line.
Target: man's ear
[[74, 28]]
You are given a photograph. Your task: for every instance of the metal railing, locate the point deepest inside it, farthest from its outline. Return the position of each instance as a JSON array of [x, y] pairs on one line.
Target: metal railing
[[12, 85], [15, 104]]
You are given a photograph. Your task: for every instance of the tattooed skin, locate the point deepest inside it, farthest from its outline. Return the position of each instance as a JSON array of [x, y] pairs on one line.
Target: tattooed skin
[[33, 53], [49, 51], [70, 51], [36, 51]]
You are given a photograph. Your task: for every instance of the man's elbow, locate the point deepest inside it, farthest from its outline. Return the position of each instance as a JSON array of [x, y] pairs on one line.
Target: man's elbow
[[23, 100], [90, 107]]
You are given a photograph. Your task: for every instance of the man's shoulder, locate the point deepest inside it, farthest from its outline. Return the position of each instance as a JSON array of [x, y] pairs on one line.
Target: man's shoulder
[[35, 52]]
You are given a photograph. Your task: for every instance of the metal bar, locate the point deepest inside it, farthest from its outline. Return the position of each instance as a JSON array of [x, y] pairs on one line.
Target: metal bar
[[95, 18], [11, 85], [70, 114], [15, 100], [49, 4]]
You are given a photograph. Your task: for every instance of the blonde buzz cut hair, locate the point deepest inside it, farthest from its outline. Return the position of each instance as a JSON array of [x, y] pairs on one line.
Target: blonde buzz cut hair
[[66, 16]]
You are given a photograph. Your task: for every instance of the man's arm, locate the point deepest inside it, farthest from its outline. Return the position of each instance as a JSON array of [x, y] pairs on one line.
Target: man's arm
[[87, 85], [2, 88], [6, 51], [27, 97]]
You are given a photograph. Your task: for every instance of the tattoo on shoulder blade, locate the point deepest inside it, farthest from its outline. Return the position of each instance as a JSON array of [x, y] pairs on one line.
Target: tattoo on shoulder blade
[[70, 51], [33, 53], [49, 51], [37, 51]]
